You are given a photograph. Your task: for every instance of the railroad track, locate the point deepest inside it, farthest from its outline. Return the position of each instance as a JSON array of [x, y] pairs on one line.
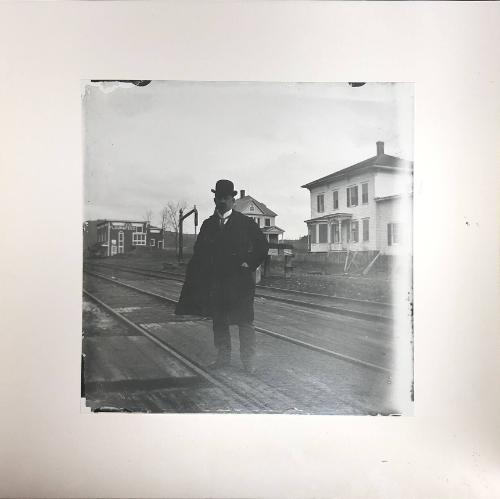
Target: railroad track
[[309, 346], [361, 309], [245, 398]]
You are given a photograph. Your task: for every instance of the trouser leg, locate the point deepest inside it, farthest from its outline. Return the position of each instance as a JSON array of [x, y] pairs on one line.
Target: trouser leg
[[222, 336], [247, 341]]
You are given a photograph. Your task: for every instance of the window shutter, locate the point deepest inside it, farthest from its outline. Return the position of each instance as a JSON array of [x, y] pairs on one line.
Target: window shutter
[[389, 234], [348, 197]]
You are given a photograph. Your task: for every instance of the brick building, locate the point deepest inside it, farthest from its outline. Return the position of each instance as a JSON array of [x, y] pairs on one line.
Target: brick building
[[122, 236], [364, 207]]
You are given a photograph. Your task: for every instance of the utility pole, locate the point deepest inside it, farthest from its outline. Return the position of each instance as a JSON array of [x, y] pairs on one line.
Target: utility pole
[[181, 219]]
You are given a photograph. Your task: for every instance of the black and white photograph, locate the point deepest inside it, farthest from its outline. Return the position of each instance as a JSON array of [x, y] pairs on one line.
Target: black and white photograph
[[247, 247], [250, 249]]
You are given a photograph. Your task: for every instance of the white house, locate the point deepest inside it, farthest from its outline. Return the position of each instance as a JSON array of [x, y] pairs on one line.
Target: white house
[[364, 207], [261, 214]]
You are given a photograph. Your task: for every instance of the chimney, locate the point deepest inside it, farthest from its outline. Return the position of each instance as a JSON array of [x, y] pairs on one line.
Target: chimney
[[380, 148], [242, 193]]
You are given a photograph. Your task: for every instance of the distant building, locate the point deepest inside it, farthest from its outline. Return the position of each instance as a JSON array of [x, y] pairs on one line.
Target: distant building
[[89, 236], [261, 214], [121, 236], [366, 206]]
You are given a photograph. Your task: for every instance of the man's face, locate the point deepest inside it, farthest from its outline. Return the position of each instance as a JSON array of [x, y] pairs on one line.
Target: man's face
[[224, 203]]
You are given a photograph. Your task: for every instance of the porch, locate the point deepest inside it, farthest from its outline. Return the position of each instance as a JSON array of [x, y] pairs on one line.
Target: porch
[[330, 233]]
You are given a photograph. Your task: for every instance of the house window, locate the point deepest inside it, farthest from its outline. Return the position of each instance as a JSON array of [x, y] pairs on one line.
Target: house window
[[257, 219], [152, 242], [366, 229], [252, 208], [393, 234], [312, 234], [320, 203], [139, 229], [335, 200], [364, 193], [268, 222], [335, 233], [355, 231], [138, 239], [323, 233], [352, 196]]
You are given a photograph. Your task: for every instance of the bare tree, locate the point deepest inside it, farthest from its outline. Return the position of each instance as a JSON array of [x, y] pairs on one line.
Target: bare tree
[[170, 219], [148, 216]]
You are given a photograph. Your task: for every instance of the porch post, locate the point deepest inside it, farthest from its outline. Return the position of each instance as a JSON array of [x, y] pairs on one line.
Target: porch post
[[340, 233]]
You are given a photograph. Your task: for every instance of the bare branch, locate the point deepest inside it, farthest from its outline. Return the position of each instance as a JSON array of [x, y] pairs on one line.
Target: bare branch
[[148, 216], [170, 217]]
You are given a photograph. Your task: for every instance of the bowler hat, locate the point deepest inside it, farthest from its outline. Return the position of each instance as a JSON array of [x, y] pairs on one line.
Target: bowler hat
[[224, 188]]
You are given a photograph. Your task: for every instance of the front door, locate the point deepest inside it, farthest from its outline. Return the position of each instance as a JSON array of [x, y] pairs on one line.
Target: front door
[[120, 242]]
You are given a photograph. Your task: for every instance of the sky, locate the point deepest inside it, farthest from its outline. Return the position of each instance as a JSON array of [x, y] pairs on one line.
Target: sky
[[171, 141]]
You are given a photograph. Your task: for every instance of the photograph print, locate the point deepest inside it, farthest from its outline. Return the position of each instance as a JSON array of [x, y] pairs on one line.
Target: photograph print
[[247, 247]]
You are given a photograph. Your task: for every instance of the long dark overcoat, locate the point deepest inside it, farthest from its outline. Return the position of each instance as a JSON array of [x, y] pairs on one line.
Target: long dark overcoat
[[216, 283]]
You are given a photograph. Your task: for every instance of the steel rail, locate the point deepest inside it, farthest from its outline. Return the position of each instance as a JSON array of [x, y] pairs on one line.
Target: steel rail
[[317, 306], [244, 400], [268, 332], [262, 286]]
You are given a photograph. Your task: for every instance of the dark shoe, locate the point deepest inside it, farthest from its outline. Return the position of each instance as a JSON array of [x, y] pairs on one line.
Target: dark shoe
[[222, 360]]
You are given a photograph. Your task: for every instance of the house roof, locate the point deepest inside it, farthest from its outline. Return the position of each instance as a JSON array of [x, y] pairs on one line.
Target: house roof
[[105, 221], [392, 196], [330, 217], [242, 205], [383, 160], [273, 229]]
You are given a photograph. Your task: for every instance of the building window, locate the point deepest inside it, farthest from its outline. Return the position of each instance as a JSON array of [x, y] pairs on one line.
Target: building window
[[393, 235], [268, 222], [352, 196], [152, 242], [120, 242], [366, 229], [312, 234], [320, 203], [323, 233], [252, 208], [139, 229], [335, 200], [335, 233], [139, 239], [355, 231], [364, 193]]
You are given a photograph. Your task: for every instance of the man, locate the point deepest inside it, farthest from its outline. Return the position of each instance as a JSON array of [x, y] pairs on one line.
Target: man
[[219, 279]]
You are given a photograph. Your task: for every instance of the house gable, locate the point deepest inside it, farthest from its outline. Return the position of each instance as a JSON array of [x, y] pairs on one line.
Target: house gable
[[244, 205]]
